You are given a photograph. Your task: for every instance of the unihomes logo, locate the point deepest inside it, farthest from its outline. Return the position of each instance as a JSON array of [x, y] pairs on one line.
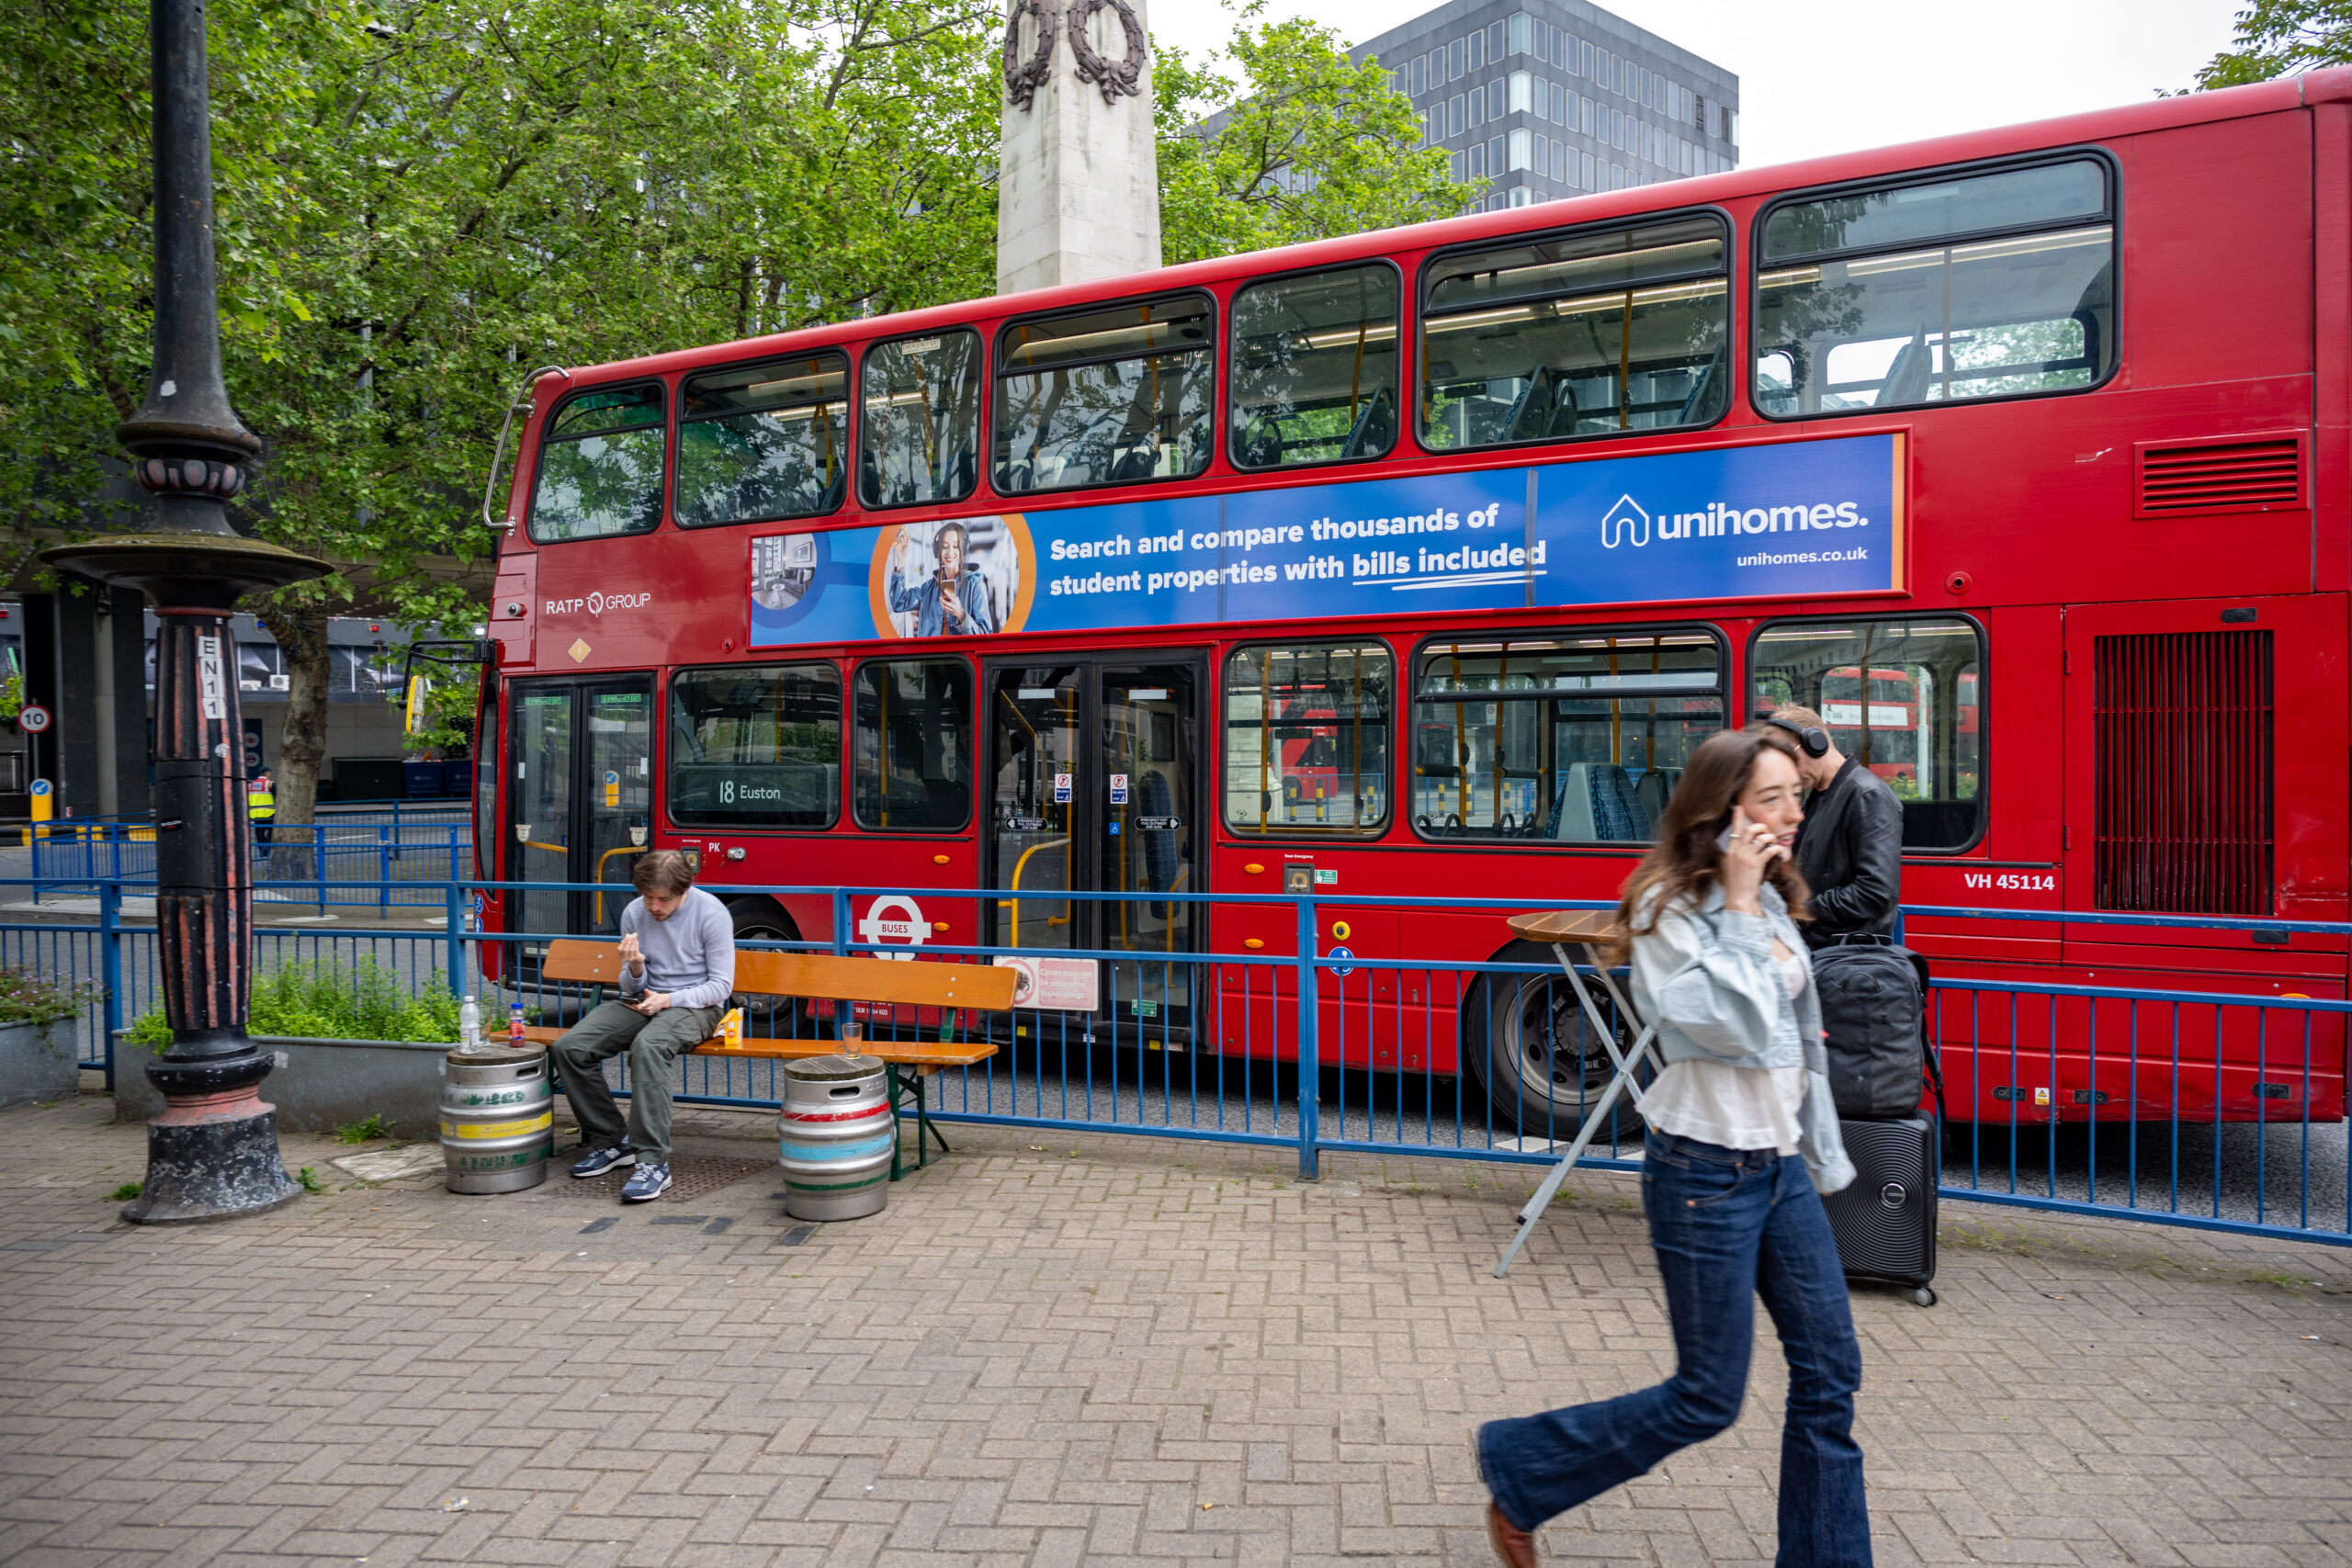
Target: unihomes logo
[[1630, 523]]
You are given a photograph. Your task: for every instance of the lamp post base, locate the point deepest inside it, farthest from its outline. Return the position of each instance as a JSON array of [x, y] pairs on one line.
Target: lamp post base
[[212, 1157]]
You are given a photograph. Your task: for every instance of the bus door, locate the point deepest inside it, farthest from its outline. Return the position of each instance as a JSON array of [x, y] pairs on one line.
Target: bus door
[[578, 798], [1093, 776]]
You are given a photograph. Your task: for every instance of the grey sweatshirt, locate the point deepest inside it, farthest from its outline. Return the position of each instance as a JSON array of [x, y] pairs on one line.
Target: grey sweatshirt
[[690, 957]]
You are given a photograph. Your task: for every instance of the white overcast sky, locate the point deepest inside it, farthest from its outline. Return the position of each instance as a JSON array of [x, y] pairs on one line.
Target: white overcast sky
[[1818, 76]]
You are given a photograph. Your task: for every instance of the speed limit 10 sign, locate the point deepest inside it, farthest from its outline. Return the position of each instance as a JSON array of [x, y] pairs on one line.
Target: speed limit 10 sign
[[32, 719]]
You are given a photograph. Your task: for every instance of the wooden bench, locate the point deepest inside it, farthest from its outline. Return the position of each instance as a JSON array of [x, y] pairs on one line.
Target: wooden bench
[[825, 976]]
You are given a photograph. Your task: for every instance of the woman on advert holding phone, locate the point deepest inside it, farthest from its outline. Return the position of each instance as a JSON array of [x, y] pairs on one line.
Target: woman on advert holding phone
[[1742, 1140]]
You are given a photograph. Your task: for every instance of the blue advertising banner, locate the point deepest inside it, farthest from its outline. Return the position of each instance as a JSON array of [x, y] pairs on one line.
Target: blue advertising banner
[[1797, 518]]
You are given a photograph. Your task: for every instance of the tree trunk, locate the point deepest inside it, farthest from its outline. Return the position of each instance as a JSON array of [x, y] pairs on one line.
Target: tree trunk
[[301, 633]]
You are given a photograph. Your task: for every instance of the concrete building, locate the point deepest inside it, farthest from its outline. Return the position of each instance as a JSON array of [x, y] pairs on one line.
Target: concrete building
[[1550, 98]]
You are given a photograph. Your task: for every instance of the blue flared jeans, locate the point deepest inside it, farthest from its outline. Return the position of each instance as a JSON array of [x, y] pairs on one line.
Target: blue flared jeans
[[1728, 1226]]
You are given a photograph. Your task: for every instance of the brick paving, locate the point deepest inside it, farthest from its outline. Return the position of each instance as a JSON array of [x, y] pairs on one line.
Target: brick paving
[[1095, 1349]]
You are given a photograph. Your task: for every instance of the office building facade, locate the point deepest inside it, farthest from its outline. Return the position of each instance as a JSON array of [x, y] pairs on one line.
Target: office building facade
[[1551, 98]]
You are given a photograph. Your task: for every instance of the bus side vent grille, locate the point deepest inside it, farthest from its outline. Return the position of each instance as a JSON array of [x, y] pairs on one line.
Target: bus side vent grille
[[2182, 769], [2221, 475]]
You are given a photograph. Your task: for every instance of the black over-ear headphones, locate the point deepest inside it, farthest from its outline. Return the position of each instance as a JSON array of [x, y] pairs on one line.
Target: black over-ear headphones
[[1814, 742]]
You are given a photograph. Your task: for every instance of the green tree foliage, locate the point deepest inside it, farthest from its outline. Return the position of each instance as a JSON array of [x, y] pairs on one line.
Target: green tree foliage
[[1316, 145], [418, 200], [2282, 38]]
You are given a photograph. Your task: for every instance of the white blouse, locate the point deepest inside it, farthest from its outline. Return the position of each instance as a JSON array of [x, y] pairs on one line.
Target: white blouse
[[1732, 1108]]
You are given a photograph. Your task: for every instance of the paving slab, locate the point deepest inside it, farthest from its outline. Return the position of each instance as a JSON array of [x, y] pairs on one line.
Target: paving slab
[[1080, 1349]]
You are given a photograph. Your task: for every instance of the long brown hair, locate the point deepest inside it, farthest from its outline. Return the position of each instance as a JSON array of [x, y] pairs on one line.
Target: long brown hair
[[1684, 862]]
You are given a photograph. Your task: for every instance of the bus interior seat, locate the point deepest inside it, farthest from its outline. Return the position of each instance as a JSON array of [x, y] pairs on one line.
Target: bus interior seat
[[1264, 447], [1596, 802], [1650, 791], [1700, 387], [1534, 402], [1907, 378], [1375, 427], [1136, 463], [1564, 412], [1157, 797]]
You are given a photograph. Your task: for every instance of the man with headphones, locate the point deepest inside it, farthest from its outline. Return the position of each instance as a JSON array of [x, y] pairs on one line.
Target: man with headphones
[[1850, 846]]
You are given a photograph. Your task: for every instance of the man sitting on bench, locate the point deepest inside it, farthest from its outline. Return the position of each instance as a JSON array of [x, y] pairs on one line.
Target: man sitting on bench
[[677, 971]]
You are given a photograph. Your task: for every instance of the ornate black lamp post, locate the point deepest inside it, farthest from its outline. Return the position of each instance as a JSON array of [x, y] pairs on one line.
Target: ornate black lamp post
[[213, 1152]]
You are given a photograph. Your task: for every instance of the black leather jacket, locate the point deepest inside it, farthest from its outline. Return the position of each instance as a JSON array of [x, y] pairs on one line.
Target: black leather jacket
[[1850, 850]]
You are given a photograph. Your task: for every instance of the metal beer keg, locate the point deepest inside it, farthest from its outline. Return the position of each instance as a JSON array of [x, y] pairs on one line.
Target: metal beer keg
[[834, 1137], [497, 1119]]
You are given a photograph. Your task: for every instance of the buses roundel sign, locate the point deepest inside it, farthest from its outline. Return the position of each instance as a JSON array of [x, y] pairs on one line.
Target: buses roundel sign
[[894, 919]]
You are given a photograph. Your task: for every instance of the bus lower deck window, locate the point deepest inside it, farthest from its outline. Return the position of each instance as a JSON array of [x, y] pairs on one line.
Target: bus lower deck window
[[1903, 698], [756, 746], [600, 466], [1566, 738], [1116, 396], [1915, 295], [1581, 335], [767, 441], [1307, 738], [1314, 377], [912, 747]]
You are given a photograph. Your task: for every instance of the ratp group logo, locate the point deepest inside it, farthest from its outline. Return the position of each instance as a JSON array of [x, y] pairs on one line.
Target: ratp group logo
[[1624, 523]]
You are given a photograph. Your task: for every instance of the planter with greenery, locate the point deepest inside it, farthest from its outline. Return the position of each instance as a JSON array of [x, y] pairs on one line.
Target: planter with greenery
[[352, 1041], [37, 1031]]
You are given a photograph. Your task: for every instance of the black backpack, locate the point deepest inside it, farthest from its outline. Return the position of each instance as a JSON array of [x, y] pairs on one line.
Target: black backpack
[[1873, 1022]]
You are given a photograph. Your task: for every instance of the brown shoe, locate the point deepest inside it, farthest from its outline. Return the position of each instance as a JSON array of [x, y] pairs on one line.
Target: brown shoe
[[1515, 1546]]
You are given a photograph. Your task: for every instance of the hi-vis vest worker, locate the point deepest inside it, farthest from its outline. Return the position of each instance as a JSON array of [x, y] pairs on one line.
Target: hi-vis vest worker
[[259, 801]]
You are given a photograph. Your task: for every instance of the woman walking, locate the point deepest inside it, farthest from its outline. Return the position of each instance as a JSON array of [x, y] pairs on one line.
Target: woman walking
[[1742, 1139]]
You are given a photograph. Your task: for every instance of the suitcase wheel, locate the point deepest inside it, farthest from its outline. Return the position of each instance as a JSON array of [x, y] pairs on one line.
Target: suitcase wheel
[[1925, 1295]]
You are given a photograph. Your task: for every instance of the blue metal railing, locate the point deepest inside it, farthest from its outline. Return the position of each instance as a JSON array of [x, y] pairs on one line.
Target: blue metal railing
[[1217, 1045]]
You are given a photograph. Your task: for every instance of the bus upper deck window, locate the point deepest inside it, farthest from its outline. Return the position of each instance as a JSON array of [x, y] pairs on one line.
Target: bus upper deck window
[[1314, 377], [919, 420], [1586, 335], [759, 442], [600, 466], [2000, 284], [1560, 738], [1118, 396], [1902, 698]]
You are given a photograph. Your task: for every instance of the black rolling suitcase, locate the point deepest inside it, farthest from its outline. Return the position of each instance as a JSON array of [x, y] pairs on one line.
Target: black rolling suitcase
[[1885, 1220]]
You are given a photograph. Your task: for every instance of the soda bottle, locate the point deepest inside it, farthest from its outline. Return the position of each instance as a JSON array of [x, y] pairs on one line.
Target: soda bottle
[[514, 1026], [469, 1025]]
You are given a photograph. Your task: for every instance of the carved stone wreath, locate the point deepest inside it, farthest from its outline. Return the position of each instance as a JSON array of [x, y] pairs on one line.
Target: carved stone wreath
[[1023, 78], [1127, 76]]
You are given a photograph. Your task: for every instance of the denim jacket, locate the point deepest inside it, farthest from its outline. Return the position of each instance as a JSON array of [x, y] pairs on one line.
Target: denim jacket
[[1705, 976]]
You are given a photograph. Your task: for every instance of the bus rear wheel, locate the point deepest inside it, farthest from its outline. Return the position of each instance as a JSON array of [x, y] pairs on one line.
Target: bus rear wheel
[[762, 920], [1538, 1060]]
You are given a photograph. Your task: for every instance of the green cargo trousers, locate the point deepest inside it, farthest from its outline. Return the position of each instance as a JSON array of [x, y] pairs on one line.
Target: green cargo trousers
[[654, 1045]]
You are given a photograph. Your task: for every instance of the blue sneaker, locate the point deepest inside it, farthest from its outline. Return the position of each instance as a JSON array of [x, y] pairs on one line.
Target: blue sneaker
[[599, 1161], [646, 1183]]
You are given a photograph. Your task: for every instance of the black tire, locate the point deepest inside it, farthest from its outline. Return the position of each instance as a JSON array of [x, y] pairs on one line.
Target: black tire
[[762, 920], [1527, 1043]]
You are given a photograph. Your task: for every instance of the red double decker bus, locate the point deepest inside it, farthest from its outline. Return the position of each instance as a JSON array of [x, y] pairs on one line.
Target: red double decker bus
[[1415, 563]]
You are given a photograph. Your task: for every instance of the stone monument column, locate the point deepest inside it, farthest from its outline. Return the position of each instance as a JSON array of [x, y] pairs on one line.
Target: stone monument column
[[1078, 192]]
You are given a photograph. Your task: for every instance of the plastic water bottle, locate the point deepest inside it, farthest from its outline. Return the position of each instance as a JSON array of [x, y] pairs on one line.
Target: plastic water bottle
[[514, 1026], [469, 1025]]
